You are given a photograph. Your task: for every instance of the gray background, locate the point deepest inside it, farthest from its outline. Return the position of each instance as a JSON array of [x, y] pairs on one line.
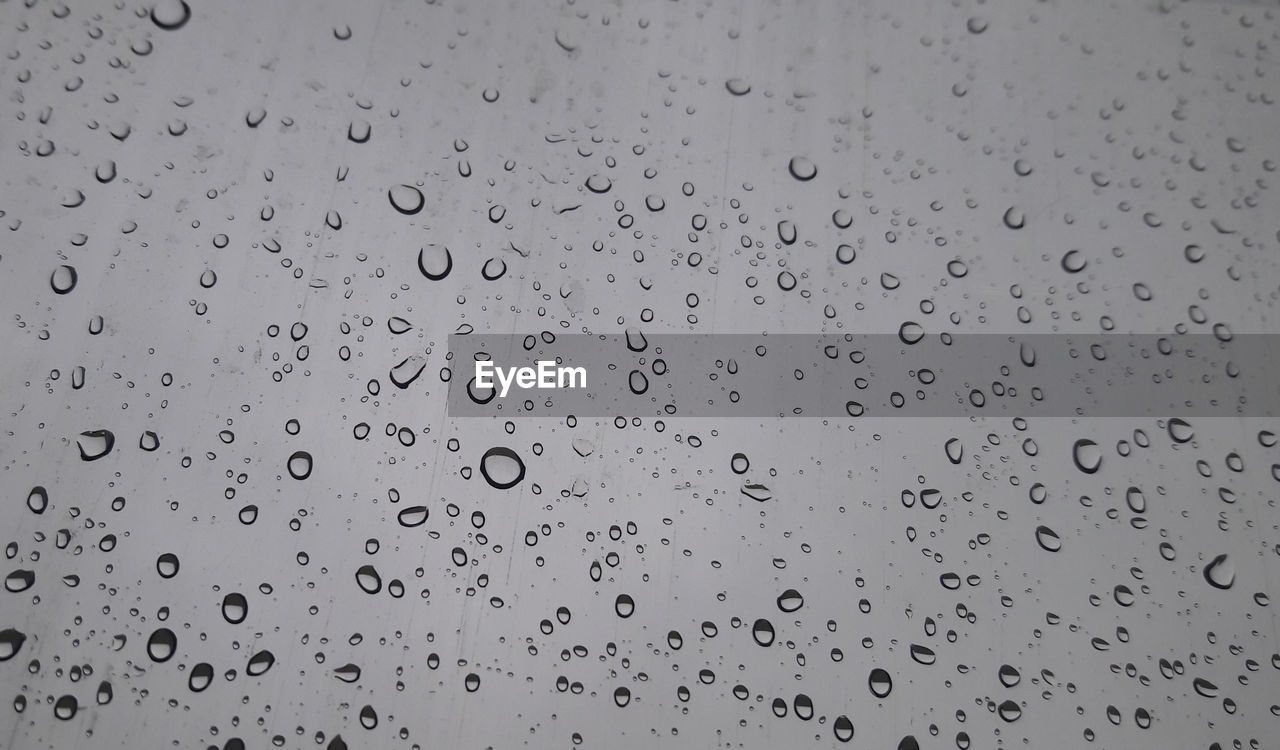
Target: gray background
[[1128, 131]]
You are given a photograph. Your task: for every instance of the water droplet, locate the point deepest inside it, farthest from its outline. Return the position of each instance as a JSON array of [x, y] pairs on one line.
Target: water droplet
[[171, 15], [1220, 572], [802, 168], [502, 468], [235, 608], [65, 707], [38, 500], [19, 580], [63, 279], [910, 333], [1204, 688], [880, 683], [1136, 501], [1180, 431], [790, 600], [406, 199], [368, 580], [1009, 676], [435, 262], [95, 444], [259, 663], [803, 706], [10, 643], [201, 677], [762, 632], [843, 728], [599, 184], [413, 516], [1074, 261], [1009, 710], [1048, 539], [923, 654], [493, 269], [162, 645], [299, 465], [167, 565], [638, 382], [1087, 456]]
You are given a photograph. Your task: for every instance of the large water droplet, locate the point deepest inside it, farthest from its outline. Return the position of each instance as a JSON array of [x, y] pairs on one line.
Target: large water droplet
[[598, 183], [880, 683], [1009, 710], [493, 269], [790, 600], [923, 654], [1087, 456], [167, 565], [95, 444], [235, 608], [802, 168], [38, 499], [843, 728], [19, 580], [501, 467], [413, 516], [368, 580], [1221, 572], [299, 465], [65, 708], [171, 15], [1074, 261], [1048, 539], [162, 645], [10, 642], [435, 262], [1204, 688], [1180, 430], [910, 332], [201, 677], [1009, 675], [955, 450], [259, 663], [406, 199], [762, 632], [1136, 501], [63, 279]]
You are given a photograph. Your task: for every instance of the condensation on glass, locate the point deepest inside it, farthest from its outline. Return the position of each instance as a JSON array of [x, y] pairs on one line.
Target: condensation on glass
[[238, 511]]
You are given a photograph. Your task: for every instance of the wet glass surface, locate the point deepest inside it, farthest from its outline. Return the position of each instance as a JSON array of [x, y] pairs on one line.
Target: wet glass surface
[[241, 508]]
